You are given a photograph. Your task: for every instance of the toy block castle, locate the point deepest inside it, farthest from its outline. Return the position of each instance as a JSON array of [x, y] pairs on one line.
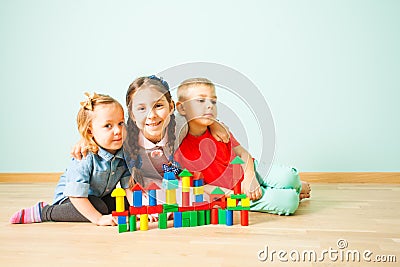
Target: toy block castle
[[219, 210]]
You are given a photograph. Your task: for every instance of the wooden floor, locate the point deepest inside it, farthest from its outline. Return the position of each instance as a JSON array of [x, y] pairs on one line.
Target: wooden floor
[[365, 217]]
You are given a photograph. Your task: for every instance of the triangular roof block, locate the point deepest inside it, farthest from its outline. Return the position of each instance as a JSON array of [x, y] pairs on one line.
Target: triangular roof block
[[137, 187], [217, 191], [153, 186], [237, 160], [185, 173]]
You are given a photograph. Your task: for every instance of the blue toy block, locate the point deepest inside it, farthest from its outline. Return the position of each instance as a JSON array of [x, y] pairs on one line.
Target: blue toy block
[[169, 176], [229, 217], [198, 198], [197, 183], [137, 198], [177, 219], [121, 219], [152, 198]]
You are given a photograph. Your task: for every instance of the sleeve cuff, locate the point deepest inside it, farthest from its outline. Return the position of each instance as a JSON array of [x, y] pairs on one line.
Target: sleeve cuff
[[74, 189]]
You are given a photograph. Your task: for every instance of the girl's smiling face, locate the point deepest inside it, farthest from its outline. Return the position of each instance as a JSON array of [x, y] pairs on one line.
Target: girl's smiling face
[[151, 112]]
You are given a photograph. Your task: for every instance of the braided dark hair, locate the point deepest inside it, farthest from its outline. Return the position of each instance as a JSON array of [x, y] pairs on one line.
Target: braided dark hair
[[132, 148]]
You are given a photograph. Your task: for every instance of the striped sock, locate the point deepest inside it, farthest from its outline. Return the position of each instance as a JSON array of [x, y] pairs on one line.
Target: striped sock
[[29, 215]]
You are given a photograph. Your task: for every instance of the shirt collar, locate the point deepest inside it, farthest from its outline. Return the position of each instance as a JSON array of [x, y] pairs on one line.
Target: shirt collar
[[108, 156], [147, 144]]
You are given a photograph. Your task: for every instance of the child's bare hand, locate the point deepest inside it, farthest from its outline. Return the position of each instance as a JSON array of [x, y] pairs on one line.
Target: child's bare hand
[[220, 131], [107, 220], [153, 218], [251, 188], [79, 150]]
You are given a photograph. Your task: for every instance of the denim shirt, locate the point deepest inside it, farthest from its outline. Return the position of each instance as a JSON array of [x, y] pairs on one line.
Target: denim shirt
[[96, 175]]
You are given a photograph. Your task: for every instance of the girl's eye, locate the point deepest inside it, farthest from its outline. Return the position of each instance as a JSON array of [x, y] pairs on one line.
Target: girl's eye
[[121, 123], [159, 105], [201, 100], [141, 109], [108, 126]]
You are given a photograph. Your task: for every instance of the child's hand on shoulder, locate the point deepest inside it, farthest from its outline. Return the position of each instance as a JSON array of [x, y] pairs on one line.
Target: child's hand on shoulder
[[107, 220]]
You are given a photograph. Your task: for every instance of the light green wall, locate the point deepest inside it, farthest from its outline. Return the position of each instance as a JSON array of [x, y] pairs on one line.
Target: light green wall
[[330, 71]]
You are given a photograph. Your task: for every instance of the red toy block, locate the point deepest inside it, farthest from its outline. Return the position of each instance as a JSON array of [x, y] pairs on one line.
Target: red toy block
[[201, 205], [244, 217], [197, 176], [137, 187], [138, 210], [154, 209], [218, 203], [123, 213], [188, 208], [153, 186], [185, 199], [214, 216]]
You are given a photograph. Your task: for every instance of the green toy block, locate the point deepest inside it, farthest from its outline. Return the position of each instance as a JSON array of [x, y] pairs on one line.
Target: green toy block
[[217, 191], [221, 216], [193, 218], [208, 217], [237, 160], [122, 228], [162, 220], [201, 217], [241, 196], [238, 208], [186, 219], [185, 173], [132, 223], [170, 207]]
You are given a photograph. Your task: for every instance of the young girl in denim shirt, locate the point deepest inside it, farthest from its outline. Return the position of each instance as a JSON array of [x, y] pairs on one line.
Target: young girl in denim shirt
[[83, 192]]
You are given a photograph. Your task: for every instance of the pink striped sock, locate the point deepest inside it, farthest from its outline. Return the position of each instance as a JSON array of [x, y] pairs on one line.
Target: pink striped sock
[[29, 215]]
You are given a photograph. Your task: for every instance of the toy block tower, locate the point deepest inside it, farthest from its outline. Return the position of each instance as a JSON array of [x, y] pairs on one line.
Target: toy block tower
[[170, 184], [217, 205], [138, 208], [198, 187], [185, 176], [120, 212], [152, 193], [237, 174]]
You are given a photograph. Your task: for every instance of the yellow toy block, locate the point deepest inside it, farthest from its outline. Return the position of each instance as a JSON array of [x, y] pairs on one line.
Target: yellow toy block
[[144, 222], [198, 190], [231, 202], [185, 189], [119, 195], [170, 196], [245, 202], [185, 182]]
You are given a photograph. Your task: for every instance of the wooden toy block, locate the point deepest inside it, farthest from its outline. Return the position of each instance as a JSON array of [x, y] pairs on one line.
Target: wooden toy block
[[199, 198], [188, 208], [138, 210], [153, 186], [237, 161], [218, 204], [177, 219], [238, 208], [121, 220], [186, 219], [132, 223], [237, 189], [244, 217], [155, 209], [229, 217], [197, 176], [231, 202], [185, 199], [137, 198], [152, 197], [239, 196], [169, 176], [162, 220], [193, 218], [197, 183], [186, 189], [245, 202], [170, 207], [186, 182], [198, 190], [123, 213], [201, 205], [208, 217], [185, 173], [170, 196], [170, 184], [214, 216], [144, 222], [201, 217], [221, 216], [122, 228], [119, 195]]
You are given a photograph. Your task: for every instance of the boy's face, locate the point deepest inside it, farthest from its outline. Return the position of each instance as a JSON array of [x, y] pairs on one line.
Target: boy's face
[[199, 105]]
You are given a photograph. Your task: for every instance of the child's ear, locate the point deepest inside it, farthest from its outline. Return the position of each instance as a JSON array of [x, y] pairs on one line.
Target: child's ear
[[172, 107], [180, 108]]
